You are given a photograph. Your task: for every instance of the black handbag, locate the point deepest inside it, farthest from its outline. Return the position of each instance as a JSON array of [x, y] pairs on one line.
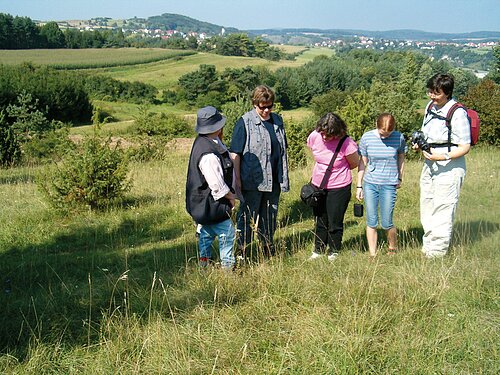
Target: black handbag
[[314, 196]]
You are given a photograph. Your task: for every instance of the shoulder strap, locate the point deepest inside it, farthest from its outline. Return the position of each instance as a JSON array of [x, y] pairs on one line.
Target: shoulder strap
[[328, 171], [451, 111], [428, 107], [428, 111]]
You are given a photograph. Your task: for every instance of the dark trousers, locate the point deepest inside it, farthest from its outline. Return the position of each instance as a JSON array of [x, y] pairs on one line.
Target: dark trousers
[[329, 220], [258, 210]]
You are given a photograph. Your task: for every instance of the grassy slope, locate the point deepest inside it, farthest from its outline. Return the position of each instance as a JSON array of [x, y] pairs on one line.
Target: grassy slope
[[120, 291], [162, 74], [165, 74]]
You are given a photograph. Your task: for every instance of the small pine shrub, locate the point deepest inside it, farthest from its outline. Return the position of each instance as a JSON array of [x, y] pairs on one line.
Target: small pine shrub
[[162, 124], [233, 111], [93, 175], [10, 147], [150, 148], [297, 133], [48, 146]]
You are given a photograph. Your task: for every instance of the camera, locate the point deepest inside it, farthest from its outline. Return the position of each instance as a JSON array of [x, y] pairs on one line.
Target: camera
[[418, 138]]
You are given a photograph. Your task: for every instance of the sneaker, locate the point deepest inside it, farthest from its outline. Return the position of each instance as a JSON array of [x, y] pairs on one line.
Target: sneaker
[[314, 255], [204, 262], [332, 256]]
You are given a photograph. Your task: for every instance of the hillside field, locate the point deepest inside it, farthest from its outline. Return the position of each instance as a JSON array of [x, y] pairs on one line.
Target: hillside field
[[156, 66]]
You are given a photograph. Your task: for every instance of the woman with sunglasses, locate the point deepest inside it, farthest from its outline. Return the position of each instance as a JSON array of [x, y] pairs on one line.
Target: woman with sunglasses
[[259, 152]]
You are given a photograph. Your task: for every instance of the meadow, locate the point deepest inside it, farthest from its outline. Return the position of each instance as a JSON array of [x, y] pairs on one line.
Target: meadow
[[120, 291]]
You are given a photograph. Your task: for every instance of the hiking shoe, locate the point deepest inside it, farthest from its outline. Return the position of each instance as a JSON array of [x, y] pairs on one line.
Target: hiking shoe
[[332, 256], [314, 255], [204, 262]]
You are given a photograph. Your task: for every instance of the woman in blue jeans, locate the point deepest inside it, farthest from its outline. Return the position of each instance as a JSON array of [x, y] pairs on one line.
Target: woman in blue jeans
[[380, 173]]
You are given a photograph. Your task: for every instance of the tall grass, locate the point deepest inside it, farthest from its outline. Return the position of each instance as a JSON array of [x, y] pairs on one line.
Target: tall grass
[[120, 291]]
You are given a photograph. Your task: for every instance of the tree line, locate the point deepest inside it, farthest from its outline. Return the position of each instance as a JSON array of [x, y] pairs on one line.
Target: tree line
[[23, 33]]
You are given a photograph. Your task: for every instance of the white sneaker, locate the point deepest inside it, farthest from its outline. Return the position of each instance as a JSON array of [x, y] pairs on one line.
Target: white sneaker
[[332, 256], [314, 255]]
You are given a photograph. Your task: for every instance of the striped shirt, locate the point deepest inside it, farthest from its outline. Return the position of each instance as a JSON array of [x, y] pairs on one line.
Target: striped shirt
[[382, 154]]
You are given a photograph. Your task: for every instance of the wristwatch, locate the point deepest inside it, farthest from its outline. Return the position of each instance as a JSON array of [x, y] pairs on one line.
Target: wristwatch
[[447, 156]]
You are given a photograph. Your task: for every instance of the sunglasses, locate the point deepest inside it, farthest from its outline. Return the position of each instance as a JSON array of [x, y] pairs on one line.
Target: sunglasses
[[264, 107]]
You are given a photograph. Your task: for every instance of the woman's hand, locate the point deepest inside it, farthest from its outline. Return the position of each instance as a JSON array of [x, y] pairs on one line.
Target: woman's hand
[[433, 156], [359, 193]]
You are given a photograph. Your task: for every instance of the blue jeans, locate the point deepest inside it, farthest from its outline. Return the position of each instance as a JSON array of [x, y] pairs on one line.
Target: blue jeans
[[383, 196], [259, 208], [226, 234]]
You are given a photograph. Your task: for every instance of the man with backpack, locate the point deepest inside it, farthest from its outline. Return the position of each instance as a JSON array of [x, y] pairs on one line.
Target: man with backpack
[[444, 169]]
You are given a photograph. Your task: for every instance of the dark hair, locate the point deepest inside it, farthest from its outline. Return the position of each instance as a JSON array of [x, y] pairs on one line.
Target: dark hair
[[332, 125], [262, 94], [443, 82], [386, 122]]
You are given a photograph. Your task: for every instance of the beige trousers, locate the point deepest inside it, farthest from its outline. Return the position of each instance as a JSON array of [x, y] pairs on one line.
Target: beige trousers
[[440, 184]]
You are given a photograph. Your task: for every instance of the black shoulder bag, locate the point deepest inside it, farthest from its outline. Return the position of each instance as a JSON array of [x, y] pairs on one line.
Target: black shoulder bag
[[313, 195]]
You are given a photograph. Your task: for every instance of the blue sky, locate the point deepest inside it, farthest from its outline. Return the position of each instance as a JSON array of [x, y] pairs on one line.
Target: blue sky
[[449, 16]]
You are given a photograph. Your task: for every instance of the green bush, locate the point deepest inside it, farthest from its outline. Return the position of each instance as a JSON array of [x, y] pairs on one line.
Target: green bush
[[93, 175], [107, 88], [162, 124], [331, 101], [60, 95], [233, 111], [10, 147], [297, 133], [484, 99], [47, 147], [23, 130], [150, 148]]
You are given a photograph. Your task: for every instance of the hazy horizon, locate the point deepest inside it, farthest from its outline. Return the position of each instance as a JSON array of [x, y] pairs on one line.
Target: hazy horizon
[[446, 16]]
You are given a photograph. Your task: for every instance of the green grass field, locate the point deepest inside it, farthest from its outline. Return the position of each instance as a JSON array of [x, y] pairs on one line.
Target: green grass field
[[120, 291], [90, 57]]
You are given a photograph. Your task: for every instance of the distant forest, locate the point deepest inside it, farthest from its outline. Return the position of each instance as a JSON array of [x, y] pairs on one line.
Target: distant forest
[[23, 33]]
